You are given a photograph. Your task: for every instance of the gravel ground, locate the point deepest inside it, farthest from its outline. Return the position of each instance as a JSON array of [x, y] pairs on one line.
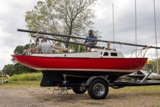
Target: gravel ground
[[28, 96]]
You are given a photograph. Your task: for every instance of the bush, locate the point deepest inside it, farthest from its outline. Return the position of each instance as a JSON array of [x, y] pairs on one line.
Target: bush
[[27, 77]]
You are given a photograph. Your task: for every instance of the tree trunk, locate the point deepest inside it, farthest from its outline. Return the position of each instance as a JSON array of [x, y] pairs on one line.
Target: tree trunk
[[70, 33]]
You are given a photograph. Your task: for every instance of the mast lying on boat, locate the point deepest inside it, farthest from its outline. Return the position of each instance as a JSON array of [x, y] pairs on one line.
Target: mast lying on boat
[[105, 41]]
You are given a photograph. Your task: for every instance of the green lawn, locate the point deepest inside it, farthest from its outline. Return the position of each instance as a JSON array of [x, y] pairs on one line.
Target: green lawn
[[20, 83]]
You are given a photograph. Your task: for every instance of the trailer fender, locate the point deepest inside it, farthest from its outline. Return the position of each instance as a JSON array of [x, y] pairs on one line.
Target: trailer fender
[[94, 78]]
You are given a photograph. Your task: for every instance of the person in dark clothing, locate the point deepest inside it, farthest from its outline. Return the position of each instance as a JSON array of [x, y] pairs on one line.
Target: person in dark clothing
[[90, 41]]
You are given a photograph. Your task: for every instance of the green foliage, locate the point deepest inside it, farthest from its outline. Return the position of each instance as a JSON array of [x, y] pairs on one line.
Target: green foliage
[[61, 16], [77, 48], [8, 69], [17, 68], [26, 77], [14, 78], [19, 49]]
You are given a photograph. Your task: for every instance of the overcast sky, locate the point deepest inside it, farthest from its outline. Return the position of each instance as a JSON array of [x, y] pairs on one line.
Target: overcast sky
[[12, 17]]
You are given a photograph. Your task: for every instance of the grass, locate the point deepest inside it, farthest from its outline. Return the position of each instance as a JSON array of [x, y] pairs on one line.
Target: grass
[[20, 83], [137, 90], [136, 96], [26, 77], [146, 96]]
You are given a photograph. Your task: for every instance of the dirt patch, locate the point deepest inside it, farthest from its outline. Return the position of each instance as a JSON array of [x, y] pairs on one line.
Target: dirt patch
[[16, 96]]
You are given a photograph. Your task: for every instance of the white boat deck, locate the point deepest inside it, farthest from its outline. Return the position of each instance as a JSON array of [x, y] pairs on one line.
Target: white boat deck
[[93, 54]]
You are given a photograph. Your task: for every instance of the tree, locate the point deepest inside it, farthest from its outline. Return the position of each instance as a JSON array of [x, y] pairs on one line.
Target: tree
[[61, 16], [8, 69], [17, 68]]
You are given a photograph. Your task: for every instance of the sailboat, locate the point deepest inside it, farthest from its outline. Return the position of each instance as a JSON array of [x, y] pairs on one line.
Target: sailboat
[[80, 69], [99, 62]]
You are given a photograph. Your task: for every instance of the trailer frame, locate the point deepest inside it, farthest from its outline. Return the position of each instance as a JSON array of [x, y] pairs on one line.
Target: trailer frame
[[98, 86]]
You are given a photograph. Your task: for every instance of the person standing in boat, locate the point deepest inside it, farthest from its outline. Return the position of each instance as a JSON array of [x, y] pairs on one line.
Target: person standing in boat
[[90, 41], [44, 47]]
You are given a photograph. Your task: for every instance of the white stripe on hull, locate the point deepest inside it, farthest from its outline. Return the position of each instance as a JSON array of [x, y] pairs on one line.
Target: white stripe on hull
[[93, 70]]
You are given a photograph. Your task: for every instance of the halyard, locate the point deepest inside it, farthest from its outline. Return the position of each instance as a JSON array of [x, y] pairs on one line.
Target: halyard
[[30, 94]]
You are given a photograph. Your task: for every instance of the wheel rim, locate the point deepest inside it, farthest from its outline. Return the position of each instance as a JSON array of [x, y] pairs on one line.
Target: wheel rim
[[99, 89]]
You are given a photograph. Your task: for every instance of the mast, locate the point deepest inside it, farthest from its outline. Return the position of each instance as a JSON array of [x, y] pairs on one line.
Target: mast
[[105, 41], [113, 22], [158, 72], [136, 25]]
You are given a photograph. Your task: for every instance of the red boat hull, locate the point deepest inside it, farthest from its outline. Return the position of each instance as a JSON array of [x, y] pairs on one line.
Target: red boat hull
[[65, 64]]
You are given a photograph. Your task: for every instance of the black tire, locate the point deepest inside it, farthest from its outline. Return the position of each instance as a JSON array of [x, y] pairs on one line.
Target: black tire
[[79, 90], [98, 89]]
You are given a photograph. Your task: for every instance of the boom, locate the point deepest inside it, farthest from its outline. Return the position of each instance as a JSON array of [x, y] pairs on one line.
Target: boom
[[69, 42]]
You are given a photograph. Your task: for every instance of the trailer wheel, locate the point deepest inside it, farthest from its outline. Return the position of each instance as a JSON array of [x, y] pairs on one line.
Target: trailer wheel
[[79, 90], [98, 89]]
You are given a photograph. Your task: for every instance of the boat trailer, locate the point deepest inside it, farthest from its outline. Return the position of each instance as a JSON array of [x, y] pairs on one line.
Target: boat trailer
[[98, 86]]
